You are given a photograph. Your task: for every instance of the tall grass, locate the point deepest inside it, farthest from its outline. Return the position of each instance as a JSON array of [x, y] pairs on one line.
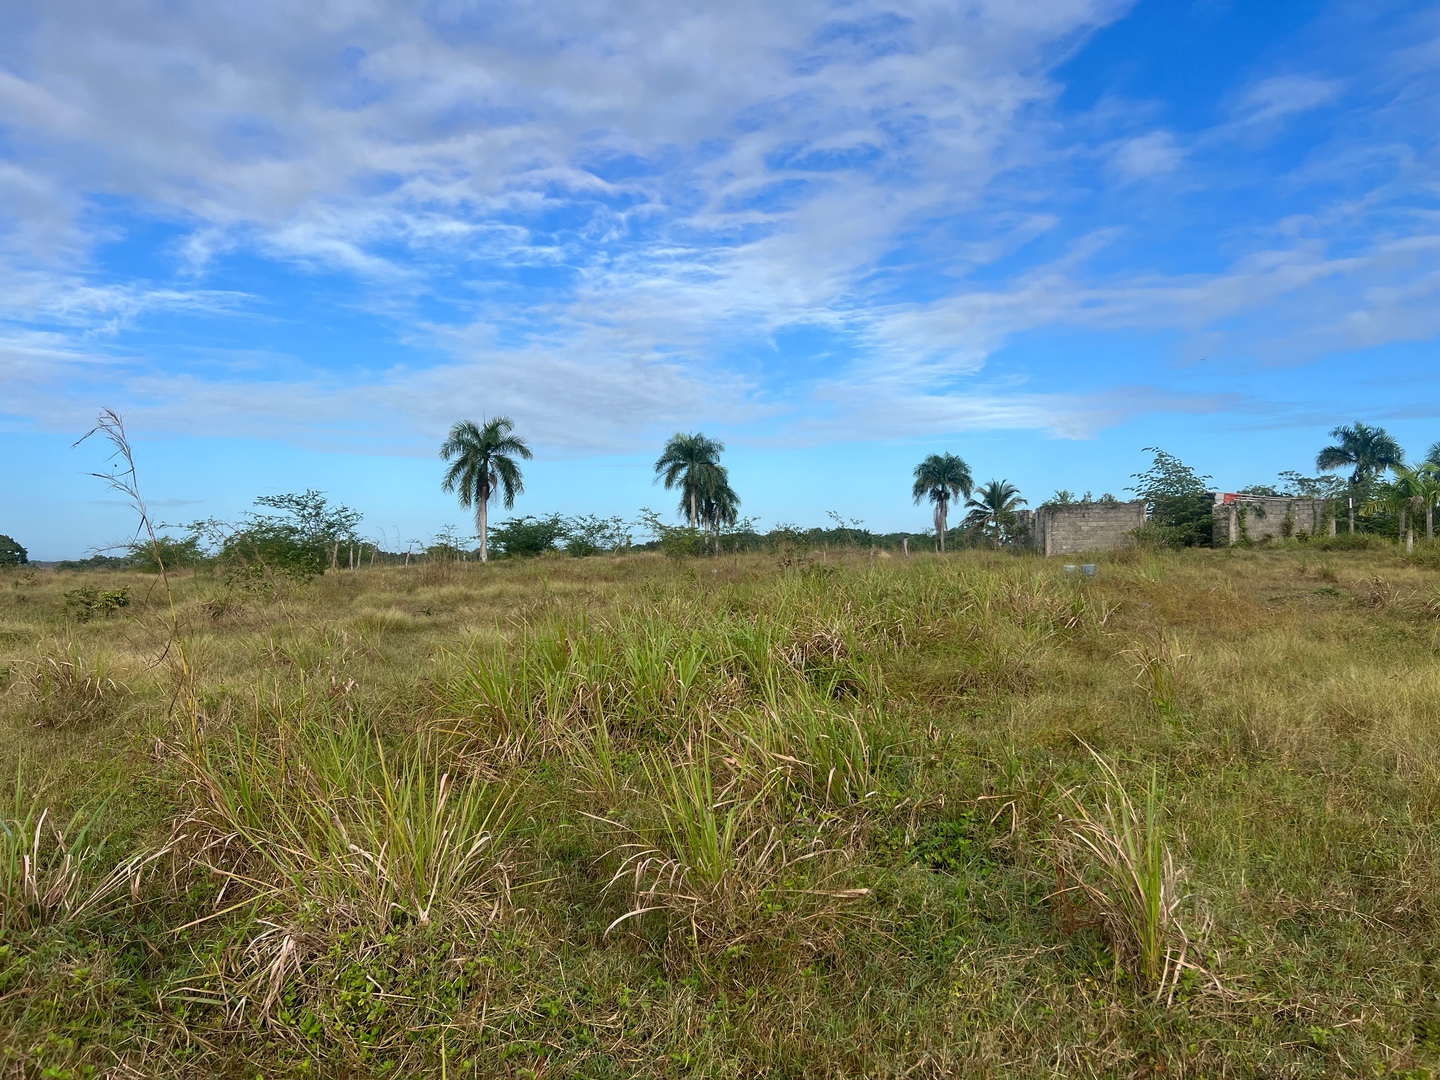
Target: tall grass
[[713, 866], [53, 874], [1115, 853], [305, 815]]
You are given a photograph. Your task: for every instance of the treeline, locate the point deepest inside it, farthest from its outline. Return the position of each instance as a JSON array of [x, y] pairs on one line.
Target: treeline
[[302, 535]]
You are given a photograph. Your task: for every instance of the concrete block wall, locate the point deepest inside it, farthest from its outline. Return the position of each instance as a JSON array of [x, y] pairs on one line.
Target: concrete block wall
[[1263, 517], [1077, 527]]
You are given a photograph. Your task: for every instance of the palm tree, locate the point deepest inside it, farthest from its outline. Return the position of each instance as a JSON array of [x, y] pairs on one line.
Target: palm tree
[[1415, 491], [993, 503], [484, 461], [692, 463], [1394, 497], [1427, 490], [1370, 450], [719, 505], [940, 478], [1433, 457]]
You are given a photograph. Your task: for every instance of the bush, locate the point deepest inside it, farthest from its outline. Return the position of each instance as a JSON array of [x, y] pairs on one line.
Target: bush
[[174, 553], [87, 601], [526, 537], [1352, 542]]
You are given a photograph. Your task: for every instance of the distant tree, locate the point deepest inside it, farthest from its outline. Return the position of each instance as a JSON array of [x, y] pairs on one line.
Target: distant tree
[[1311, 487], [483, 463], [168, 551], [719, 505], [297, 542], [1264, 490], [692, 463], [526, 537], [316, 520], [1414, 492], [1426, 484], [1368, 450], [992, 507], [1177, 499], [1063, 497], [589, 534], [941, 478], [11, 553]]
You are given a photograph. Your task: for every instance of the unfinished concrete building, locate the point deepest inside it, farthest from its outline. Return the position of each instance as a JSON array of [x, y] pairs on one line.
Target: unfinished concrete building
[[1255, 519], [1071, 528]]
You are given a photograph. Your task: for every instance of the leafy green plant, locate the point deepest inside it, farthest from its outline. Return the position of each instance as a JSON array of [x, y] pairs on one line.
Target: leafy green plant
[[86, 602], [1159, 670], [711, 867]]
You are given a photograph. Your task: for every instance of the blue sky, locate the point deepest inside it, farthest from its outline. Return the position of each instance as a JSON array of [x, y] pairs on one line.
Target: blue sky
[[292, 243]]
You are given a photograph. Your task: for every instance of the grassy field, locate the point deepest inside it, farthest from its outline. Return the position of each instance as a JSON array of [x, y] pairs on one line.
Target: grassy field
[[624, 816]]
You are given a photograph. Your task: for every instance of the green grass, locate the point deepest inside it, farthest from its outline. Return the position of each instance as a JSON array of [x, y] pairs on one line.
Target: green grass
[[729, 817]]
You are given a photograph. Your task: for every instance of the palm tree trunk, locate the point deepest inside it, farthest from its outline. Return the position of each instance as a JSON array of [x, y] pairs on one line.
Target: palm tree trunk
[[482, 526], [693, 514], [1429, 522], [1352, 512]]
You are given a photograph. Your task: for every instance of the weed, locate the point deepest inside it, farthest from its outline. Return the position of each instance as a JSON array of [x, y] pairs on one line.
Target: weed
[[1159, 670], [1116, 856], [72, 690]]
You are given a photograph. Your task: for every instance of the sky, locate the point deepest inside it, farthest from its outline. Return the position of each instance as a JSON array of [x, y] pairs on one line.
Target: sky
[[292, 243]]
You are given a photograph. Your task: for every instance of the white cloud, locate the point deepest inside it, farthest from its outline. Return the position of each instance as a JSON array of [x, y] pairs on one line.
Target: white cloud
[[1285, 95], [1148, 155], [705, 176]]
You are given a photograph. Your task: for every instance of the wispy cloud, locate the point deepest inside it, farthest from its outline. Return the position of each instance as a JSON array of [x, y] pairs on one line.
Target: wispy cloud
[[602, 219]]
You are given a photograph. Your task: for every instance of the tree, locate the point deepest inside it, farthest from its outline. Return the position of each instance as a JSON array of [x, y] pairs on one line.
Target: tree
[[993, 507], [11, 553], [297, 542], [526, 537], [1370, 450], [315, 520], [1177, 501], [719, 505], [1415, 491], [1426, 484], [484, 462], [692, 463], [1432, 457], [940, 478]]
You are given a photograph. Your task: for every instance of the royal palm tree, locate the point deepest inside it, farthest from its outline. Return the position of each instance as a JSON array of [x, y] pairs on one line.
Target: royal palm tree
[[692, 463], [1415, 491], [719, 505], [1427, 491], [1370, 450], [483, 463], [940, 478], [1433, 457], [993, 503]]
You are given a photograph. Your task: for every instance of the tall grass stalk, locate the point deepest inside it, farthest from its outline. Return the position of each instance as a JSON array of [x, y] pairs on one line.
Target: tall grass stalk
[[1116, 855]]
